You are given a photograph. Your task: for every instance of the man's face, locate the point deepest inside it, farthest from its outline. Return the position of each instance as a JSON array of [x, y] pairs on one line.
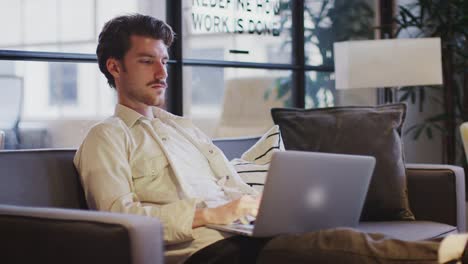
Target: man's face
[[141, 78]]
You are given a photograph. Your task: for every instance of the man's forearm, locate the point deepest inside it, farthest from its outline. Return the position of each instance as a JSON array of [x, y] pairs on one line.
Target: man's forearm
[[200, 218], [226, 214]]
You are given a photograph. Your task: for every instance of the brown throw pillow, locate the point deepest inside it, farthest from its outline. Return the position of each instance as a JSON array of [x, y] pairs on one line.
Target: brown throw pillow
[[373, 131]]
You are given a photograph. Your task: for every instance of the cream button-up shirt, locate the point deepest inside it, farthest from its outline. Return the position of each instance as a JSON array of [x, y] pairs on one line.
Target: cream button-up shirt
[[126, 167], [203, 183]]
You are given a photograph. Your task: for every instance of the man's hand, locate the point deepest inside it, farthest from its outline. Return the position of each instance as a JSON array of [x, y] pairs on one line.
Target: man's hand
[[226, 214]]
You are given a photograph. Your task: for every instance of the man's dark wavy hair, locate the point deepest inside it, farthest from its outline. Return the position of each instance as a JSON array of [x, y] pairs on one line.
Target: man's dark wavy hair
[[114, 40]]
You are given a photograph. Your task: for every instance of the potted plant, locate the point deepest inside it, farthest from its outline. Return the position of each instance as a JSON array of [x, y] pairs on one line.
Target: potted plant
[[447, 19]]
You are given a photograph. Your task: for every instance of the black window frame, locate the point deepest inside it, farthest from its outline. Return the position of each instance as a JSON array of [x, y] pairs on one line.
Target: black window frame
[[297, 66], [175, 78]]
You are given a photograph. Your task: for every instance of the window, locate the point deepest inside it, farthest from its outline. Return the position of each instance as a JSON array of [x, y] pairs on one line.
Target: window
[[62, 96], [320, 90], [51, 25], [326, 22], [236, 102], [226, 45], [206, 81], [62, 84], [246, 30], [224, 98]]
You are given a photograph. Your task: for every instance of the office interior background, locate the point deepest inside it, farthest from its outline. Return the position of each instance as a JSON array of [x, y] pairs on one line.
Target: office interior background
[[232, 61]]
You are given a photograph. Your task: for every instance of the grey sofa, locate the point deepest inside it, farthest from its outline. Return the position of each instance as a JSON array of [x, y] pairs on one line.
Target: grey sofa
[[44, 217]]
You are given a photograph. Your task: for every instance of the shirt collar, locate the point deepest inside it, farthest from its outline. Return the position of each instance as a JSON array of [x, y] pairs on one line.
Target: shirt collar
[[130, 116], [164, 115]]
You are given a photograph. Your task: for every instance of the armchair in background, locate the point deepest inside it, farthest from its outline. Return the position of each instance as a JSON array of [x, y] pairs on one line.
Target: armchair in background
[[246, 111], [2, 139], [11, 103]]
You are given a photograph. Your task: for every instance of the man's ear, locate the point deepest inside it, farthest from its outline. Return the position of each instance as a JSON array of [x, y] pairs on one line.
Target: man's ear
[[114, 67]]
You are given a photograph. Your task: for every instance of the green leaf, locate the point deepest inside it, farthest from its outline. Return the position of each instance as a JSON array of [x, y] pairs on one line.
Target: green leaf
[[408, 14], [282, 91], [440, 128], [437, 118], [418, 132], [429, 132], [413, 97], [415, 129], [422, 98], [436, 100], [322, 8], [404, 97], [267, 93]]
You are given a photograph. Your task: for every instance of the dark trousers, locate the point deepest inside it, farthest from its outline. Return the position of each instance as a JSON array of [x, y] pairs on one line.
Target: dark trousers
[[341, 245], [236, 249]]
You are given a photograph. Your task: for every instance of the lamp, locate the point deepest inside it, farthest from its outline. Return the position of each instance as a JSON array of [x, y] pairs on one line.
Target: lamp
[[387, 63]]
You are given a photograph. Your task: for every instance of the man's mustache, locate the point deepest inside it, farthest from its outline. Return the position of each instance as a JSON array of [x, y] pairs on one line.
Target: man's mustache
[[163, 82]]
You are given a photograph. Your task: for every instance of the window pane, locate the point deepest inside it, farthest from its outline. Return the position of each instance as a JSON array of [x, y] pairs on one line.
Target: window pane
[[226, 102], [62, 89], [10, 22], [60, 101], [244, 30], [64, 25], [40, 21], [326, 22], [71, 11], [321, 92], [10, 101]]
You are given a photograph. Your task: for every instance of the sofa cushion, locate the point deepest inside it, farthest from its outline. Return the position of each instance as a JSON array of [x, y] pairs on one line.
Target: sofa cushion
[[253, 164], [234, 147], [373, 131], [262, 151], [45, 177], [409, 230]]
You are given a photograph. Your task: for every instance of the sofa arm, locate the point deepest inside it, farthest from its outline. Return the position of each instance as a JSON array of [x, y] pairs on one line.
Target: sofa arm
[[49, 235], [437, 193]]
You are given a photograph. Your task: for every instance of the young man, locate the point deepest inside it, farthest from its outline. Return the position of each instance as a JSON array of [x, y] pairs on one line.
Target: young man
[[146, 161]]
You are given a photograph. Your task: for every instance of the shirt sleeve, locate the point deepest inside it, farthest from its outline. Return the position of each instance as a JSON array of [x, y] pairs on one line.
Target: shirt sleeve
[[103, 164]]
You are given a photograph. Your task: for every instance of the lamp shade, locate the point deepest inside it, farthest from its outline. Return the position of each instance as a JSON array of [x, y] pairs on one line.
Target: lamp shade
[[388, 63]]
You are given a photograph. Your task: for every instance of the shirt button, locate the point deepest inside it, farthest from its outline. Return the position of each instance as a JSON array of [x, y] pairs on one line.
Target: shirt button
[[164, 139], [210, 151]]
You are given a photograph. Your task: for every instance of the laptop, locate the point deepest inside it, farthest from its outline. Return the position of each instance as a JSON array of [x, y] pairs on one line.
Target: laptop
[[309, 191]]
